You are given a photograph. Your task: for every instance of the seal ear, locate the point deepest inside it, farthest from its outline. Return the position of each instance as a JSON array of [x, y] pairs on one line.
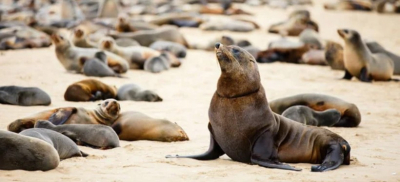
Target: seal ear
[[62, 115]]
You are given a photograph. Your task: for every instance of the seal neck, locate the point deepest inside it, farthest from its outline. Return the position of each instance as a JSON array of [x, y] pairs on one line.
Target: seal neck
[[103, 117]]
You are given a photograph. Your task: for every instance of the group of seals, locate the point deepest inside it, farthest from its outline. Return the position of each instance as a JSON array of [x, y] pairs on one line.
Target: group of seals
[[240, 106], [23, 96]]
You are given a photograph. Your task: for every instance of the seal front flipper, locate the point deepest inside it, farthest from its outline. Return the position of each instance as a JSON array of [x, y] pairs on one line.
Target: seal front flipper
[[214, 152], [364, 75], [264, 153], [347, 75], [333, 159], [62, 115]]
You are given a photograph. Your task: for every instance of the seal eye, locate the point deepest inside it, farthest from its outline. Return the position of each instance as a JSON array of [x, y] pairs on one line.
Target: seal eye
[[106, 103], [235, 51]]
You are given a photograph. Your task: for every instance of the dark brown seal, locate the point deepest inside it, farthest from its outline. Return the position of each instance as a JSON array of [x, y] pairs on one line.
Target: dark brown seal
[[243, 126], [89, 90]]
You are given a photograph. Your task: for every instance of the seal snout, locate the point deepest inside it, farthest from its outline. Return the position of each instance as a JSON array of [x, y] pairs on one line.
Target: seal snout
[[217, 45]]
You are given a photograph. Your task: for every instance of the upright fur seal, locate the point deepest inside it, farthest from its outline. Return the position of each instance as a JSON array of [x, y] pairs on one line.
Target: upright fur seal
[[361, 63], [73, 58], [94, 135], [243, 126], [134, 92], [89, 90], [65, 147], [351, 116], [308, 116], [26, 153], [137, 126], [135, 55], [23, 96], [105, 113]]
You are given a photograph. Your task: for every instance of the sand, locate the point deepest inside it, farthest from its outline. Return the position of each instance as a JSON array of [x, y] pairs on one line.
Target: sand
[[187, 92]]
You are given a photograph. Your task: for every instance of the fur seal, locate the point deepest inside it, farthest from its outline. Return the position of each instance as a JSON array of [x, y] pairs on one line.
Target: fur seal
[[133, 126], [314, 57], [108, 9], [288, 54], [126, 42], [157, 64], [89, 90], [105, 113], [349, 5], [72, 57], [334, 55], [361, 63], [134, 92], [229, 25], [351, 116], [177, 49], [308, 116], [375, 47], [65, 147], [23, 96], [297, 22], [94, 135], [311, 38], [26, 153], [97, 66], [243, 126], [146, 38], [135, 55], [79, 39]]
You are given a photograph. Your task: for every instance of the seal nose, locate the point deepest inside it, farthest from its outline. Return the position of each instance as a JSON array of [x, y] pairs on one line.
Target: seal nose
[[217, 45]]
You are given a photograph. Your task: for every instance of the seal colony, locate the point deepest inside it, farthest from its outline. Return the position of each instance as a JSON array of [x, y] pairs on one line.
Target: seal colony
[[239, 105]]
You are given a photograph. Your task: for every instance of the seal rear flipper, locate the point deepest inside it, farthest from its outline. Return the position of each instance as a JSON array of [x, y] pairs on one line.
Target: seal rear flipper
[[333, 159], [347, 75], [62, 115], [214, 152], [84, 154], [265, 154]]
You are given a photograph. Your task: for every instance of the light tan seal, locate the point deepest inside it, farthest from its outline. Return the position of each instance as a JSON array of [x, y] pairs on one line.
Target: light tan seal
[[361, 63], [243, 126], [26, 153], [137, 126], [105, 113]]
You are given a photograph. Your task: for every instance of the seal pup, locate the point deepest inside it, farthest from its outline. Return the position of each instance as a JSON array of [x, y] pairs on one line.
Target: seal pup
[[26, 153], [351, 116], [23, 96], [72, 57], [65, 147], [308, 116], [375, 47], [157, 64], [146, 38], [361, 63], [334, 55], [94, 135], [105, 113], [243, 126], [133, 126], [89, 90], [97, 66], [177, 49], [135, 55], [134, 92]]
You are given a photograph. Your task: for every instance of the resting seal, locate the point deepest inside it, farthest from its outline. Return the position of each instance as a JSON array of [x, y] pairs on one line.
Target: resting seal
[[23, 96], [308, 116], [26, 153], [137, 126], [361, 63], [97, 66], [65, 147], [177, 49], [134, 92], [105, 113], [351, 116], [94, 135], [243, 126], [89, 90]]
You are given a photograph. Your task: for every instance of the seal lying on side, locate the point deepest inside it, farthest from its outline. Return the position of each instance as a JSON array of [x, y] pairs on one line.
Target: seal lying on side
[[177, 49], [157, 64], [361, 63], [94, 135], [350, 115], [243, 126], [97, 66], [26, 153], [137, 126], [105, 113], [308, 116], [73, 58], [23, 96], [134, 92], [65, 147], [89, 90]]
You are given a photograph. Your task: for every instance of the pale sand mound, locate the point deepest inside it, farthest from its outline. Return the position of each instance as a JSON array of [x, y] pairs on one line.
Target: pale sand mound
[[187, 92]]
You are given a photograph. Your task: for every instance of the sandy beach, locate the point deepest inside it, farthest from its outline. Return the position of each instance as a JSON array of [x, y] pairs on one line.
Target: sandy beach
[[187, 92]]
